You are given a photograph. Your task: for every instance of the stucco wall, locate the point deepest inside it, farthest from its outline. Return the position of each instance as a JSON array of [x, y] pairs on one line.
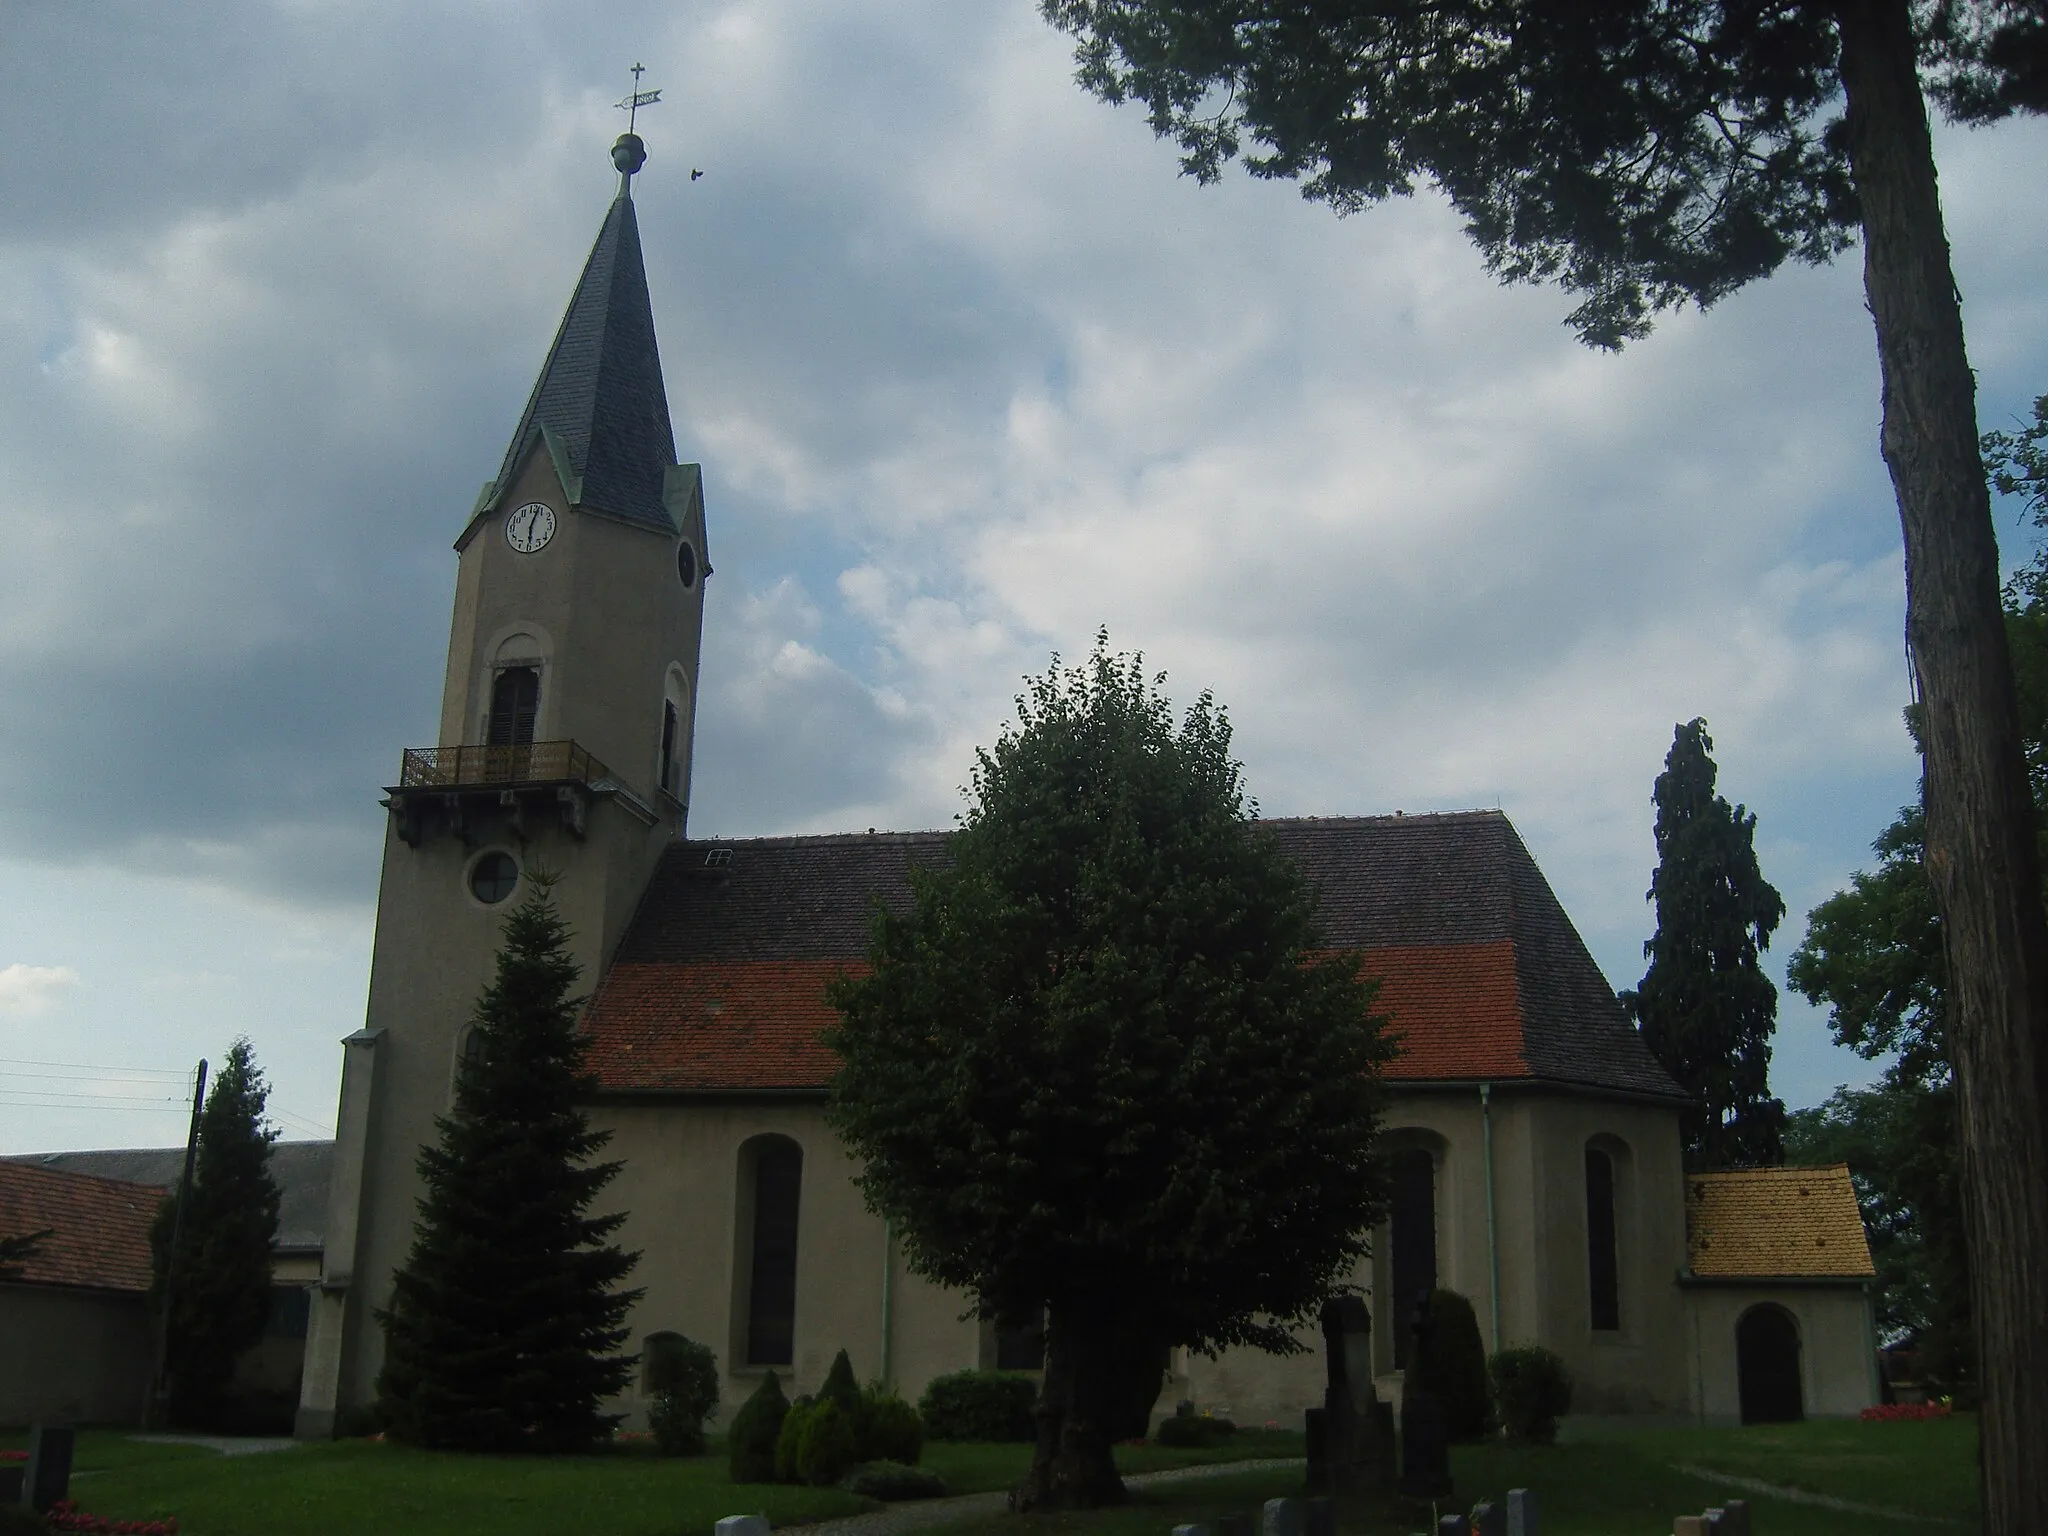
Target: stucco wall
[[1837, 1346], [81, 1357]]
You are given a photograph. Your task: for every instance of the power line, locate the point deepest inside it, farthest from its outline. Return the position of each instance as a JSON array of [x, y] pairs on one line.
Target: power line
[[91, 1066]]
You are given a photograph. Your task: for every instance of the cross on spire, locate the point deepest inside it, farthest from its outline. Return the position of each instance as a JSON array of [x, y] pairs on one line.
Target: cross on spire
[[636, 98]]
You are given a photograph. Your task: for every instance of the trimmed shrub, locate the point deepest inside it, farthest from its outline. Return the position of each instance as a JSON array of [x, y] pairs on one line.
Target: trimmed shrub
[[751, 1442], [1532, 1390], [825, 1449], [1453, 1367], [888, 1429], [840, 1386], [1185, 1430], [683, 1377], [791, 1439], [980, 1405], [893, 1480]]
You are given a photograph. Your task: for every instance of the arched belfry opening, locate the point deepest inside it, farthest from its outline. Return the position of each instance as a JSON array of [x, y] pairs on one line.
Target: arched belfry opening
[[515, 707], [1767, 1366]]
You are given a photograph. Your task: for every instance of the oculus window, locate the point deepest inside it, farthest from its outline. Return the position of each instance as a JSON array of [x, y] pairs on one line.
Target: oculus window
[[493, 877]]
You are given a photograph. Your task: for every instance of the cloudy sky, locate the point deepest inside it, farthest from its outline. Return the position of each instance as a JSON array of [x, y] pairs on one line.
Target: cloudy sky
[[971, 371]]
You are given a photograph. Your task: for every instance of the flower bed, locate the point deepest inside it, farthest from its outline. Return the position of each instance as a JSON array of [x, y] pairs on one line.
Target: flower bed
[[1886, 1413], [67, 1516]]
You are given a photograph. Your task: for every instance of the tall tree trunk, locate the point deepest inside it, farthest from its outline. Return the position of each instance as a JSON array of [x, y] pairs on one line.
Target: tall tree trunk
[[1981, 853], [1074, 1467]]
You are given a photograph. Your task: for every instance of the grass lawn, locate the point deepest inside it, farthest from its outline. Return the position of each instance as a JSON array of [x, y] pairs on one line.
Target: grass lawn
[[1624, 1485]]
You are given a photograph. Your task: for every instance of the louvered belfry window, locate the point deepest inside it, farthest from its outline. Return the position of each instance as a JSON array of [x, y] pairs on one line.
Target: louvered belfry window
[[515, 705]]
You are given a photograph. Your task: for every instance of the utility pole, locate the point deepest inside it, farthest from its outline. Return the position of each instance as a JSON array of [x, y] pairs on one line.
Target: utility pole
[[159, 1387]]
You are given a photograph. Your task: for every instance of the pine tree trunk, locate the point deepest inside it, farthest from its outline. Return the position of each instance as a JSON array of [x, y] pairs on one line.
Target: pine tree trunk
[[1981, 853], [1074, 1467]]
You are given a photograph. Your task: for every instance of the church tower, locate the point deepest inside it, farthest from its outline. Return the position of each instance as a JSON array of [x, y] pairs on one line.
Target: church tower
[[564, 749]]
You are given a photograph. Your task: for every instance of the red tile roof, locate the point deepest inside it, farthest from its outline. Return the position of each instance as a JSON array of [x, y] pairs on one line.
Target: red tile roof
[[718, 985], [99, 1227]]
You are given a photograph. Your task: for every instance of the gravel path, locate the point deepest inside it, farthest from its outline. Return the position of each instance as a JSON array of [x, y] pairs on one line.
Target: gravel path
[[1801, 1496], [227, 1445], [925, 1513]]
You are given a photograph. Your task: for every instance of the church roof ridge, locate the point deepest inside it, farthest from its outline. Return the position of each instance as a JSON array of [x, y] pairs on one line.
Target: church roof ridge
[[600, 393]]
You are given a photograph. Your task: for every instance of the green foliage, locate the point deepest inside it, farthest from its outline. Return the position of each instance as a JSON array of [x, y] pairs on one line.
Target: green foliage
[[1096, 1044], [751, 1442], [683, 1377], [1453, 1366], [505, 1322], [840, 1384], [889, 1429], [219, 1280], [1193, 1431], [1532, 1390], [892, 1480], [1706, 1008], [18, 1250], [790, 1438], [979, 1405], [826, 1449]]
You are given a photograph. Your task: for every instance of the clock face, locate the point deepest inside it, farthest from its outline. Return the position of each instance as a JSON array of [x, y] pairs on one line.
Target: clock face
[[530, 527]]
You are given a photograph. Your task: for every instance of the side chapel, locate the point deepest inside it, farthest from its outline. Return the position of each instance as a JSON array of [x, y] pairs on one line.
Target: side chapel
[[1534, 1139]]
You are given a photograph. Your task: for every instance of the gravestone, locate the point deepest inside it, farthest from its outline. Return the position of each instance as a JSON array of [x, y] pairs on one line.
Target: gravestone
[[742, 1525], [1453, 1525], [1351, 1440], [1318, 1517], [1191, 1530], [1489, 1520], [47, 1478], [1522, 1512], [1735, 1518], [1425, 1443], [1689, 1525], [1239, 1524], [1280, 1517]]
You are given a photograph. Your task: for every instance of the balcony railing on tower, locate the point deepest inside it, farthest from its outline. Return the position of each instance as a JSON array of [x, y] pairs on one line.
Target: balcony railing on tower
[[465, 786]]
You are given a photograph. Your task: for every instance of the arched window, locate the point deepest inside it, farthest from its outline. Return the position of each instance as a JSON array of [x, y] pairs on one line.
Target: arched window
[[670, 729], [1603, 1264], [1412, 1231], [776, 1170], [515, 705]]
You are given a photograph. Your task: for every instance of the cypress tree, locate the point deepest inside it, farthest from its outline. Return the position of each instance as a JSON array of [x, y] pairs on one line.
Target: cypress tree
[[221, 1302], [504, 1325], [1705, 1006]]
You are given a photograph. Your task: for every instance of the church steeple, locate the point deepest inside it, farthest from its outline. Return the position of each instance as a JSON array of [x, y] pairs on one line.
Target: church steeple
[[599, 405]]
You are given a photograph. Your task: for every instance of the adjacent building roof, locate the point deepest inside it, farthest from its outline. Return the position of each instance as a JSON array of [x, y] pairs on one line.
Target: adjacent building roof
[[600, 392], [99, 1228], [718, 985], [1776, 1223], [300, 1169]]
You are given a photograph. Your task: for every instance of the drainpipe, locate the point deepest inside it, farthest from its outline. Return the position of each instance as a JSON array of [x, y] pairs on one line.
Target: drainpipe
[[888, 1291], [1492, 1223]]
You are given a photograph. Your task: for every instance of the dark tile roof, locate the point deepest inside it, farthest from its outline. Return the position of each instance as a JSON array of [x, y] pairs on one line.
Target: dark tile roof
[[718, 983], [300, 1169], [99, 1228], [600, 391]]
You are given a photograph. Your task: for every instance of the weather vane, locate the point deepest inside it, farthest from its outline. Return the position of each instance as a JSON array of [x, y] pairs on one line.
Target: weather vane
[[637, 98]]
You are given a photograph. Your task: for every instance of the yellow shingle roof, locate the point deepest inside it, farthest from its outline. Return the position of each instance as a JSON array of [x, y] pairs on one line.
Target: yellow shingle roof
[[1792, 1222]]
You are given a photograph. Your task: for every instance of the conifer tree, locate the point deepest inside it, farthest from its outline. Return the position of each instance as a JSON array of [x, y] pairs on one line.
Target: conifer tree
[[1706, 1008], [221, 1300], [504, 1325]]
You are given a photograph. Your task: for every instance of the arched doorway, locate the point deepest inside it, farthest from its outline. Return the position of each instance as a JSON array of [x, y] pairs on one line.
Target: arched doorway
[[1767, 1366]]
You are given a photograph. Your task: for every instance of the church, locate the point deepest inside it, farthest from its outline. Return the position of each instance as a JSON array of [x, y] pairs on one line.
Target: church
[[1533, 1139]]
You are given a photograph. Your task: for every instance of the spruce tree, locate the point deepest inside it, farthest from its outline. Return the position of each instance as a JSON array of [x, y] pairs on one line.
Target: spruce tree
[[505, 1324], [1706, 1008], [221, 1299]]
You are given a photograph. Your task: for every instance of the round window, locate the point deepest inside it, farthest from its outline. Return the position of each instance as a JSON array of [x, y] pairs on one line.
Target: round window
[[686, 563], [492, 877]]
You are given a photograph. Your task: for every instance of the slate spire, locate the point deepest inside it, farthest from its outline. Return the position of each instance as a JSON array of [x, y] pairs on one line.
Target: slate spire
[[599, 396]]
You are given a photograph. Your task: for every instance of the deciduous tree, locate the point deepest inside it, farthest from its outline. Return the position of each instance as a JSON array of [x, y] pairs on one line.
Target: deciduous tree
[[1706, 1008], [1643, 153], [505, 1322], [1102, 1065], [221, 1301]]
